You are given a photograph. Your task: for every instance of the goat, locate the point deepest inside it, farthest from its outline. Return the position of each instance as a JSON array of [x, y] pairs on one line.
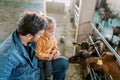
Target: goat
[[83, 57], [116, 31], [104, 17], [85, 45], [110, 64], [112, 16], [80, 57]]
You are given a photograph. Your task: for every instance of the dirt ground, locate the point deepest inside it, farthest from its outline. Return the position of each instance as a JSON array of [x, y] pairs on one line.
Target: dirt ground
[[66, 29]]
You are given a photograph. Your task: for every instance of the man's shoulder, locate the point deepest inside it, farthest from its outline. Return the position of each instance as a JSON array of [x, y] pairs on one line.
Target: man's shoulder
[[7, 45], [9, 49]]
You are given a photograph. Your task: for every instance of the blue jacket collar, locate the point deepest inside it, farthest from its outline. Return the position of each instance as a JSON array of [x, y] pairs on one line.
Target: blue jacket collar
[[21, 48]]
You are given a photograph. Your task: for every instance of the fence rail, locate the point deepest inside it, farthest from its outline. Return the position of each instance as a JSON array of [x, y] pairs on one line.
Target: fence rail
[[107, 44], [76, 15]]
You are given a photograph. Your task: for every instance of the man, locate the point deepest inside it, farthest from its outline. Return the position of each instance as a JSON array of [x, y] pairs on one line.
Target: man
[[17, 53]]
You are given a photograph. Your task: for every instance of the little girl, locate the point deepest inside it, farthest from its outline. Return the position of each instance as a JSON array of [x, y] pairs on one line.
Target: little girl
[[47, 49]]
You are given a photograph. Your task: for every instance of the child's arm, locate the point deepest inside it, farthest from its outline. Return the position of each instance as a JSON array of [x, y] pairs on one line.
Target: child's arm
[[55, 51], [56, 54], [55, 47], [40, 53], [45, 56]]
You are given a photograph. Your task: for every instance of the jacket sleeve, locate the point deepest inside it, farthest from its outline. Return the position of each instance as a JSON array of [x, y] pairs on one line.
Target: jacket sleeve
[[6, 67]]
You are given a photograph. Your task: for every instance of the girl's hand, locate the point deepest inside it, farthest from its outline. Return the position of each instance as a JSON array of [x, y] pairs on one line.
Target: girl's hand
[[56, 55], [53, 52], [49, 57]]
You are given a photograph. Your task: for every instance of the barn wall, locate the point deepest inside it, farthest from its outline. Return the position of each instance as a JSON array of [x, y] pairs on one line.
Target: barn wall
[[85, 16], [86, 12], [55, 7], [114, 5], [10, 10]]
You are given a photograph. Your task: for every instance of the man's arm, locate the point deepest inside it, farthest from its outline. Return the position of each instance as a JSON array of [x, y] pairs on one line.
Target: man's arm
[[5, 67]]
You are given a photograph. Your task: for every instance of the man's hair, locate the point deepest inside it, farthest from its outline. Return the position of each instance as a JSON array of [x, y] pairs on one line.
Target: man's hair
[[31, 23]]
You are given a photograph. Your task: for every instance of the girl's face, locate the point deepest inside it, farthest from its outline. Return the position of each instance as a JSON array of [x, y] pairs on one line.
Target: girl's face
[[49, 32]]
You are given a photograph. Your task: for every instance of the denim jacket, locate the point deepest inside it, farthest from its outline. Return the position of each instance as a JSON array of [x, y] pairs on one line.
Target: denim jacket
[[15, 63]]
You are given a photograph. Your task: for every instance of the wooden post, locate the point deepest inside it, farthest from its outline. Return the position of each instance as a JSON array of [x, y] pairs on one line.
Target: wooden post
[[86, 12]]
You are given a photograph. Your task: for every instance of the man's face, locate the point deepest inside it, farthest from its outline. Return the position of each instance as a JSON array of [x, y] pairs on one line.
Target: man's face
[[37, 36]]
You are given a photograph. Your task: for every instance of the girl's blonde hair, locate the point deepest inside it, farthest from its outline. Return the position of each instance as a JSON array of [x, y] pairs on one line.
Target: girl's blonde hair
[[51, 22]]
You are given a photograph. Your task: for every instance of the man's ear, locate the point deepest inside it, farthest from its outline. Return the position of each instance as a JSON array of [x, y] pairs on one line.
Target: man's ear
[[29, 36]]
